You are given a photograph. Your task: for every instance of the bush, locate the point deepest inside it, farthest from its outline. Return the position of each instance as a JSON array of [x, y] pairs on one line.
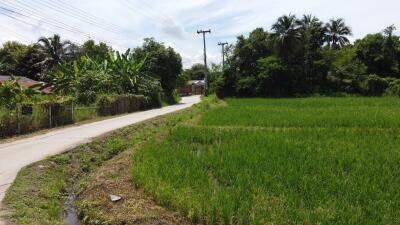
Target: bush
[[394, 87], [375, 85], [245, 87], [272, 77]]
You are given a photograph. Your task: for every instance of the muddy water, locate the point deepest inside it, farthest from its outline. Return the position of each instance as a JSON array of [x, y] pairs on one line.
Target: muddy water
[[71, 215]]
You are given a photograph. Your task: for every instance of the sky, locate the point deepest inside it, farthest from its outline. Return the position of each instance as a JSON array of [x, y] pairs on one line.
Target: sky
[[124, 24]]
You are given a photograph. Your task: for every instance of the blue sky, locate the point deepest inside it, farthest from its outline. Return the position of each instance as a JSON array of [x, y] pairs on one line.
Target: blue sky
[[124, 23]]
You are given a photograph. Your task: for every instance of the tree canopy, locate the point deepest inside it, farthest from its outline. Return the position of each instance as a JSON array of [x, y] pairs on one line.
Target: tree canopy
[[303, 56]]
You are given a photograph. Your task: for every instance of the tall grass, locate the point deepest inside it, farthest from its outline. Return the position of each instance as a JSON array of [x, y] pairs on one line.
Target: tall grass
[[305, 171]]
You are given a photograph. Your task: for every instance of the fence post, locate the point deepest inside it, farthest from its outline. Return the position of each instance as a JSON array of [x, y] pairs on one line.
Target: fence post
[[50, 122], [18, 119], [72, 112]]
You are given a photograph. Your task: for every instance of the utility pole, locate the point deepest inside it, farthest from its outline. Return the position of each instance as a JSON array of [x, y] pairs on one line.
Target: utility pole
[[223, 53], [205, 60]]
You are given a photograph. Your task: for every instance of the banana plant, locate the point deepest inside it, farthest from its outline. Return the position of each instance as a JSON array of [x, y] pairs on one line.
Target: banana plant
[[125, 71]]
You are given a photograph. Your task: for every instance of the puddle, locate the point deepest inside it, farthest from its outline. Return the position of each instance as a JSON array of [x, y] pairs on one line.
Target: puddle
[[71, 216]]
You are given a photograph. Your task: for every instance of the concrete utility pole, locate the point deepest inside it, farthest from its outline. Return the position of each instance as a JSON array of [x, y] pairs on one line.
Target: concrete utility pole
[[223, 53], [205, 60]]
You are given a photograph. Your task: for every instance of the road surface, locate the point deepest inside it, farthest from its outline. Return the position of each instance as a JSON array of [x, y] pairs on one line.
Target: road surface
[[15, 155]]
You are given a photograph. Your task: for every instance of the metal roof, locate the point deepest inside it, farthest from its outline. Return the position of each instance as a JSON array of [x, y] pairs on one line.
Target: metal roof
[[26, 82]]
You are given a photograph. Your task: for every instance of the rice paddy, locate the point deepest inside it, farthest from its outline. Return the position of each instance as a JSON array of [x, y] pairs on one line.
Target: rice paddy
[[280, 161]]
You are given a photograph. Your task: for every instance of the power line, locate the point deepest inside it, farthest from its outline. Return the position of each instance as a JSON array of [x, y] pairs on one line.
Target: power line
[[73, 14], [18, 19], [204, 32], [89, 15], [126, 4], [28, 14], [31, 14], [156, 12]]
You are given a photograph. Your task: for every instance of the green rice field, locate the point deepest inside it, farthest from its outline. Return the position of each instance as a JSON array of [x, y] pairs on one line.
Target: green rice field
[[280, 161]]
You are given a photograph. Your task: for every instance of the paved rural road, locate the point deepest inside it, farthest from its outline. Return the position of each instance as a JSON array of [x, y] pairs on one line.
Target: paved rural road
[[20, 153]]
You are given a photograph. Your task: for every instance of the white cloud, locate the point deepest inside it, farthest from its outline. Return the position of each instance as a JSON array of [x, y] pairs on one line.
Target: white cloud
[[173, 28], [125, 23]]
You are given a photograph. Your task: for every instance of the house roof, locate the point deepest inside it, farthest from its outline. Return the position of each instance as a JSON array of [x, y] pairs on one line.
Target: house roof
[[196, 82], [26, 82]]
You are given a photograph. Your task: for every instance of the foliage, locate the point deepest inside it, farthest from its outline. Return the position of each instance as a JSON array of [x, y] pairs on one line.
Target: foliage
[[196, 72], [394, 87], [20, 60], [86, 78], [99, 51], [12, 94], [380, 53], [310, 57], [272, 78], [162, 63], [287, 36], [337, 33], [55, 52], [375, 85], [345, 70]]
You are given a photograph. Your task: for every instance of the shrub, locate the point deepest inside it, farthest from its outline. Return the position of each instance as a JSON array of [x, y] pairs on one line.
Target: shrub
[[375, 85], [272, 76], [245, 86], [394, 87]]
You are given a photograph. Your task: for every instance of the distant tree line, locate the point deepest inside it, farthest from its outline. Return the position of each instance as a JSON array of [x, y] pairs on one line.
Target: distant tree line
[[92, 69], [304, 56]]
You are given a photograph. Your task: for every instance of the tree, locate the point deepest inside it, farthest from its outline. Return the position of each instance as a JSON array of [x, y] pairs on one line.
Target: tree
[[391, 51], [162, 63], [20, 60], [287, 36], [95, 51], [11, 54], [55, 51], [272, 79], [249, 50], [29, 64], [196, 72], [337, 32], [380, 53], [312, 34]]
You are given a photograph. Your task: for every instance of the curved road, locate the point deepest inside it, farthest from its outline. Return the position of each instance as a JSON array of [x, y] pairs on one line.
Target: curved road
[[20, 153]]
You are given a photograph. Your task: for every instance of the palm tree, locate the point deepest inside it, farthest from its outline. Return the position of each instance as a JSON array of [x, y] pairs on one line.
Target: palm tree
[[287, 35], [54, 50], [337, 32], [313, 37]]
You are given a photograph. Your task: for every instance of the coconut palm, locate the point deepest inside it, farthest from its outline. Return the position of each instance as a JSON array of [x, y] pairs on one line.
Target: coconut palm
[[313, 37], [337, 32], [287, 35], [312, 31], [54, 50]]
